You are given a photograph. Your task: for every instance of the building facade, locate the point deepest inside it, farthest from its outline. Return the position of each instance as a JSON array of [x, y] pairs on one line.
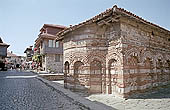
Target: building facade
[[49, 49], [29, 53], [13, 60], [3, 53], [115, 52]]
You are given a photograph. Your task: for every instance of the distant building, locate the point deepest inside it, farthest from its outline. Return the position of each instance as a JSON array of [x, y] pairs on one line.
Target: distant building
[[13, 59], [50, 50], [3, 53], [29, 53]]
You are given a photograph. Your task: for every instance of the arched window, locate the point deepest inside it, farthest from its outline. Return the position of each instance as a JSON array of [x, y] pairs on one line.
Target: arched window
[[95, 77], [96, 67], [159, 63], [66, 67], [148, 62], [112, 66], [78, 67], [66, 72], [133, 61], [168, 63], [112, 76]]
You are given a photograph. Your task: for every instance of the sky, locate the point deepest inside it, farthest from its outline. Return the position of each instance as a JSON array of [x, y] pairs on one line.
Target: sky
[[21, 20]]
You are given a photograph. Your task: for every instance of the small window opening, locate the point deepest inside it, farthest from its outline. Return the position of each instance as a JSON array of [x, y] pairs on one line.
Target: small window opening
[[152, 33], [168, 39]]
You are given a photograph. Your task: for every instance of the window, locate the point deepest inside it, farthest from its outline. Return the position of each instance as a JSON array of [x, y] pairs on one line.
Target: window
[[168, 39], [152, 33], [53, 43], [56, 44], [50, 43], [57, 58]]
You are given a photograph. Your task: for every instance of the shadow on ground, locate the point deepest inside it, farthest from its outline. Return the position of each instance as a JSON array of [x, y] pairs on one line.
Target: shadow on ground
[[161, 92]]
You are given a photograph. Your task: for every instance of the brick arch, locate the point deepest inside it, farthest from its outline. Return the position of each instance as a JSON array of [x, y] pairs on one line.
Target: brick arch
[[78, 56], [132, 52], [66, 66], [167, 61], [147, 54], [159, 60], [78, 70], [66, 60], [78, 67], [158, 56], [113, 56], [97, 57], [96, 76], [167, 57], [148, 57], [112, 75], [66, 72]]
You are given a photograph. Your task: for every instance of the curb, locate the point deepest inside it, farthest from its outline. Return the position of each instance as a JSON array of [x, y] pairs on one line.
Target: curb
[[81, 101]]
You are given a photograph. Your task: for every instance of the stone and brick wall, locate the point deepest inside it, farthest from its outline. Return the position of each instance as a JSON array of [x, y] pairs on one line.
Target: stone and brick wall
[[81, 50], [146, 57], [119, 57], [92, 59]]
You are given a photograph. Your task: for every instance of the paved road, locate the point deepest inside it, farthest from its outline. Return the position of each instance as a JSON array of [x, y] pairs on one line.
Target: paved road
[[23, 91]]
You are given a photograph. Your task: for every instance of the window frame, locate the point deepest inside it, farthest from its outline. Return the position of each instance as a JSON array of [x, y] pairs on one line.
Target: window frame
[[57, 44], [50, 42], [57, 57]]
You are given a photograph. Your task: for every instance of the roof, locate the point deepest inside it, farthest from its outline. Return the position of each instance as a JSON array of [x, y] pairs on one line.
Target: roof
[[47, 35], [100, 16], [1, 40], [9, 54], [3, 44], [30, 49], [54, 26]]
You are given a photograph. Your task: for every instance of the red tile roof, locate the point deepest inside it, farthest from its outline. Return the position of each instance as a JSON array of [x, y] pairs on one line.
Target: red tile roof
[[49, 35], [54, 25], [45, 35], [114, 9]]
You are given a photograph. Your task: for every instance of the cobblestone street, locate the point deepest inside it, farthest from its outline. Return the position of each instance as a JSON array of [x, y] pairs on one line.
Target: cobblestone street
[[23, 91]]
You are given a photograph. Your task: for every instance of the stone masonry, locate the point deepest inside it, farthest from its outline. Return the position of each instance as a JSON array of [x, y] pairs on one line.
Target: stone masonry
[[50, 63], [115, 52]]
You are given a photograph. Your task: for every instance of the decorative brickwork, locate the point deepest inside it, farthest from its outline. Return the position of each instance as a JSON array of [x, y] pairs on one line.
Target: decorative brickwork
[[116, 52]]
